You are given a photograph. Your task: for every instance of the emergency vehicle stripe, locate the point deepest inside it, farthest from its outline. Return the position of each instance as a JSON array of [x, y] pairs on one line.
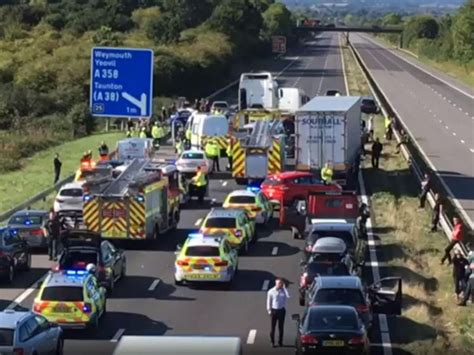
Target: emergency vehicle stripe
[[274, 158], [238, 160], [91, 214], [137, 219]]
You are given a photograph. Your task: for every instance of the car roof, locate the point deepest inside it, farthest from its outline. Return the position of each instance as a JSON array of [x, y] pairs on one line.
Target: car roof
[[61, 279], [204, 240], [332, 224], [29, 213], [242, 193], [292, 174], [334, 308], [351, 282], [9, 318], [225, 213], [330, 245], [72, 185]]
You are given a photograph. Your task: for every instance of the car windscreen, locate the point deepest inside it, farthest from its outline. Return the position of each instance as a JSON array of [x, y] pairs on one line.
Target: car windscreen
[[327, 269], [78, 259], [220, 222], [6, 337], [271, 181], [343, 296], [26, 220], [220, 105], [62, 293], [344, 235], [192, 156], [242, 199], [202, 251], [71, 193], [322, 320]]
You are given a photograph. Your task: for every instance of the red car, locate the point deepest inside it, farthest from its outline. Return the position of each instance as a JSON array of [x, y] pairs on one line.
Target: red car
[[294, 185]]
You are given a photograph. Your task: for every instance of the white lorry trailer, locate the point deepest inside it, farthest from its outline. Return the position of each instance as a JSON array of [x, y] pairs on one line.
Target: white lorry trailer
[[258, 90], [291, 99], [328, 129]]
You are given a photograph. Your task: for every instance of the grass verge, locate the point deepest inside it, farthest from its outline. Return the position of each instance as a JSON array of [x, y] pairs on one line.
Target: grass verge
[[431, 322], [37, 173]]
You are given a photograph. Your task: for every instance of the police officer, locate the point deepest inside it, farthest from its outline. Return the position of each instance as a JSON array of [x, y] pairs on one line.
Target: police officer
[[179, 147], [229, 153], [143, 133], [199, 181], [155, 133], [103, 150], [327, 173], [212, 152]]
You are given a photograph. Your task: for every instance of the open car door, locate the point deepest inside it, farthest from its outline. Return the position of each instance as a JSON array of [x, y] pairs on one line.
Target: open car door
[[82, 238], [333, 205], [294, 217], [386, 296]]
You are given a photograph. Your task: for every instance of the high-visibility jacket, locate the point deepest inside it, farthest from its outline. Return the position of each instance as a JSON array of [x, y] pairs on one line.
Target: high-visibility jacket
[[199, 179], [155, 132], [212, 149], [103, 150], [143, 134], [387, 121], [326, 174], [180, 147], [161, 131], [129, 134], [188, 134], [228, 150]]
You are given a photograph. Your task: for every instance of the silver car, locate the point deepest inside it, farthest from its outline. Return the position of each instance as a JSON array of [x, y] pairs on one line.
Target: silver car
[[23, 332], [31, 226]]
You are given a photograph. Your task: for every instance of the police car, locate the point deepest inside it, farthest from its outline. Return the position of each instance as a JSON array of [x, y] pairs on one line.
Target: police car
[[252, 200], [208, 258], [72, 299], [240, 227]]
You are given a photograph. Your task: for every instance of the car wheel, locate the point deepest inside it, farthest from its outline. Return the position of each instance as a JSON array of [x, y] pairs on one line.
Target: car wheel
[[60, 347], [245, 248], [301, 301], [111, 285], [178, 283], [11, 274], [124, 269]]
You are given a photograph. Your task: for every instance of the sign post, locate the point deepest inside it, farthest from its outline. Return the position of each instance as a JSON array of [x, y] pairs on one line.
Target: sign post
[[121, 82], [279, 44]]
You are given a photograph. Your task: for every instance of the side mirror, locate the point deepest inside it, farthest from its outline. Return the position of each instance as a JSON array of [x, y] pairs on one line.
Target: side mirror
[[301, 207], [295, 317], [103, 288], [178, 247]]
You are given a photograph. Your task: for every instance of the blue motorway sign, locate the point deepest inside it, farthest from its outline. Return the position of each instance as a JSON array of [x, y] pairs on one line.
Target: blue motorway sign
[[121, 82]]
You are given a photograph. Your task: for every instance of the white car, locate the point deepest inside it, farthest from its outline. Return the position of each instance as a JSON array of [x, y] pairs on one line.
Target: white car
[[69, 198], [190, 160]]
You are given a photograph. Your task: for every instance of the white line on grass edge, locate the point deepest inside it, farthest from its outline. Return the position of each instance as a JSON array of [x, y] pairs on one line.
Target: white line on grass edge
[[383, 325]]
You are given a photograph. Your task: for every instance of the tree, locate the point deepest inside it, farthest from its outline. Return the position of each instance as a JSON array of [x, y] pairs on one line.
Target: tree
[[419, 27], [277, 20], [165, 29], [392, 19], [463, 34]]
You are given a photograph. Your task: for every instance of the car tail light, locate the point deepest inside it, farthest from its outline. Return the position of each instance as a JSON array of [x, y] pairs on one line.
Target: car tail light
[[357, 340], [362, 308], [38, 307], [182, 263], [308, 339], [37, 232], [308, 248], [283, 187], [221, 263], [87, 308], [18, 351], [304, 280], [56, 267], [256, 209], [2, 254], [101, 269]]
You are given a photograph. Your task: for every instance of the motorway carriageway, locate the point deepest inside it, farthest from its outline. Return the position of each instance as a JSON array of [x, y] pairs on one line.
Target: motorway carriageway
[[147, 302], [438, 112]]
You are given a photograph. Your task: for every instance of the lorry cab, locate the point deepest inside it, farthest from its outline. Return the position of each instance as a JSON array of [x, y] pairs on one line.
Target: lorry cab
[[258, 90], [291, 99]]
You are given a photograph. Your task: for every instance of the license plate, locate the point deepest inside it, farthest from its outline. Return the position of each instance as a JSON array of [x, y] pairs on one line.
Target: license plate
[[62, 309], [202, 276], [201, 267], [333, 343]]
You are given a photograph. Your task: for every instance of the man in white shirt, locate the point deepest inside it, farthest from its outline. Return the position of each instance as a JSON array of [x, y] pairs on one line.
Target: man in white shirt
[[276, 302]]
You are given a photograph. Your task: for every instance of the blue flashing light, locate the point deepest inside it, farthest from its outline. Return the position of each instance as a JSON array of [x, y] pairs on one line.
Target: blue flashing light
[[86, 308], [253, 189], [28, 222], [14, 231], [87, 198], [76, 272], [140, 198]]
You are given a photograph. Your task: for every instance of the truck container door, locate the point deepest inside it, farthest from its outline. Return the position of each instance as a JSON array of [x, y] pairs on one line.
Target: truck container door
[[256, 164], [308, 142], [333, 139]]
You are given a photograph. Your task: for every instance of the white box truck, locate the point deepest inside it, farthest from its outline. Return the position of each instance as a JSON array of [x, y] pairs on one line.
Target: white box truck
[[291, 99], [328, 129]]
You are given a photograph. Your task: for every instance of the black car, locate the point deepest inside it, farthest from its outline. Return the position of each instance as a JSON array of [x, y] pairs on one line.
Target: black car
[[368, 105], [333, 93], [82, 248], [14, 254], [331, 330], [31, 226]]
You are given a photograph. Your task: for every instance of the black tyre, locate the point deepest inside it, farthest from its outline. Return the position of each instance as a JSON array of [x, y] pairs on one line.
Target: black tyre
[[178, 283], [124, 269], [245, 247], [59, 347], [301, 301]]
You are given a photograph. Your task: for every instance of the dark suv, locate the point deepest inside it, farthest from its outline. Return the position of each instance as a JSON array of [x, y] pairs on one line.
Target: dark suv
[[14, 254]]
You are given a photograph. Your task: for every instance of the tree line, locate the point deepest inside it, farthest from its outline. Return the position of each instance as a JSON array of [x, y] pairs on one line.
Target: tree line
[[45, 55]]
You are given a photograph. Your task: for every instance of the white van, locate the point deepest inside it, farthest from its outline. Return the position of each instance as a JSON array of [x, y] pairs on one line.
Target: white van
[[208, 126], [178, 345], [291, 99], [258, 90]]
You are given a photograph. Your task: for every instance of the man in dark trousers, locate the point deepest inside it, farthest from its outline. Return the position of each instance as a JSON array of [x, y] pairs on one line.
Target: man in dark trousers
[[57, 168], [457, 236], [437, 208], [53, 235], [276, 308], [425, 188], [459, 272], [377, 148]]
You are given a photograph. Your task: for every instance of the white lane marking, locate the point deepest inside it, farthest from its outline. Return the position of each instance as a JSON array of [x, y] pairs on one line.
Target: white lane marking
[[251, 336], [322, 75], [446, 127], [265, 285], [224, 183], [454, 134], [24, 295], [275, 251], [460, 109], [462, 141], [198, 222], [154, 284], [118, 335], [466, 113], [472, 150], [346, 84]]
